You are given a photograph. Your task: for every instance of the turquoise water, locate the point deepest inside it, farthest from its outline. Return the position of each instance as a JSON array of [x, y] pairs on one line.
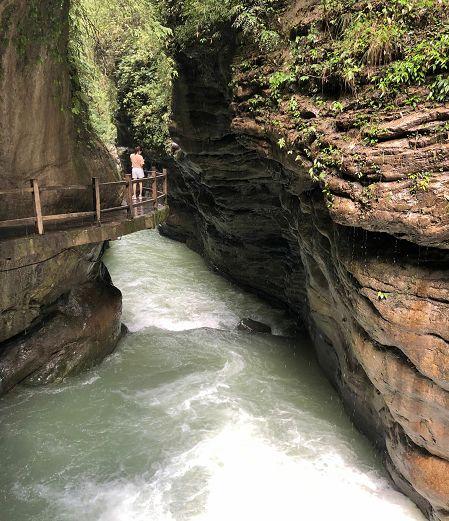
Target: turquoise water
[[190, 419]]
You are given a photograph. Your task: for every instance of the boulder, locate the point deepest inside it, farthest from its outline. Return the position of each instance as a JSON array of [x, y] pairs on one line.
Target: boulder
[[83, 329], [253, 326]]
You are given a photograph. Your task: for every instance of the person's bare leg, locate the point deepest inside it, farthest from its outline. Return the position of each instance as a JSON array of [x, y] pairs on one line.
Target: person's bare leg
[[140, 190], [135, 190]]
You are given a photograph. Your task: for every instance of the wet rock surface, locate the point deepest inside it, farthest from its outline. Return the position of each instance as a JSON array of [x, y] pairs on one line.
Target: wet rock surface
[[60, 316], [40, 136], [253, 326], [58, 312], [375, 304], [83, 329]]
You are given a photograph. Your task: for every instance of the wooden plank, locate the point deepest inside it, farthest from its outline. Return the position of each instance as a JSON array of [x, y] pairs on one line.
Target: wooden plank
[[17, 191], [67, 216], [154, 176], [96, 198], [114, 183], [166, 186], [129, 196], [137, 181], [145, 201], [114, 209], [64, 188], [37, 207], [11, 223]]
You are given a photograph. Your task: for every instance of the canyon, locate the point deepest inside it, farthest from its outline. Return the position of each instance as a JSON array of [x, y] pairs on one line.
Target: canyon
[[345, 227]]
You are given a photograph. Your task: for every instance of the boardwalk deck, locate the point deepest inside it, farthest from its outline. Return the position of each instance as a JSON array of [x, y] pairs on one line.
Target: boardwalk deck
[[37, 248], [40, 236], [99, 213]]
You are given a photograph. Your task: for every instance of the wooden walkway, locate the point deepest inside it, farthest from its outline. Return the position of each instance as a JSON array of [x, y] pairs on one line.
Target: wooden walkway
[[101, 214]]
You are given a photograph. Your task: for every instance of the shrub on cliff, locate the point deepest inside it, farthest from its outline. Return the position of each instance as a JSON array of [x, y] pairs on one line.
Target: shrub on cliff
[[385, 44]]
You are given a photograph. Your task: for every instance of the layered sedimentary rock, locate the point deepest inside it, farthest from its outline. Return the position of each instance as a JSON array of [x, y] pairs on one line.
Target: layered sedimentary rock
[[362, 260], [58, 311]]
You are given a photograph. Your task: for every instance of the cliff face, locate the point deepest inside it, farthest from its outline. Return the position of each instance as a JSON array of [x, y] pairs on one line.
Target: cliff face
[[361, 256], [42, 134], [58, 311]]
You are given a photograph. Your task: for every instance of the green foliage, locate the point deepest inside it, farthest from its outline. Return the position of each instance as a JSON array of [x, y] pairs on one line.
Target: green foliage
[[40, 30], [429, 56], [337, 107], [199, 20], [387, 44], [278, 81], [420, 182], [144, 95], [206, 21], [121, 67], [327, 160], [371, 133], [281, 143], [439, 89], [381, 295], [252, 19], [257, 102]]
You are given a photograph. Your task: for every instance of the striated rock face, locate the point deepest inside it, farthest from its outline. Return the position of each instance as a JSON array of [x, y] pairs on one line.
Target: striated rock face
[[60, 314], [82, 329], [58, 311], [363, 261]]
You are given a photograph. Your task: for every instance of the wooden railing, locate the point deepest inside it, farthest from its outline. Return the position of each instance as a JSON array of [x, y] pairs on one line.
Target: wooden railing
[[152, 184]]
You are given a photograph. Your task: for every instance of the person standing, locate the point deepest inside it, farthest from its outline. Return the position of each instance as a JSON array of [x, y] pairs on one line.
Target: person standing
[[137, 162]]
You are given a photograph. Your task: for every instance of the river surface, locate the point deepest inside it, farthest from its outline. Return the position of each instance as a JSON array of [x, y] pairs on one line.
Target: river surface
[[190, 419]]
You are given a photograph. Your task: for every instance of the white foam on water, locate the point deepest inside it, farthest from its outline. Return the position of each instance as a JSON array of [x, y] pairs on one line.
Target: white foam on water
[[245, 477], [195, 426], [172, 288]]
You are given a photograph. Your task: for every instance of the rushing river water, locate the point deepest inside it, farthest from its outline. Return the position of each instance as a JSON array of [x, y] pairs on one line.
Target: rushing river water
[[190, 419]]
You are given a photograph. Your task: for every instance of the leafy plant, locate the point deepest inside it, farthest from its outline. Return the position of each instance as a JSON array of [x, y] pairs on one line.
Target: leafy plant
[[371, 133], [420, 181], [337, 107], [121, 70], [278, 80], [382, 295]]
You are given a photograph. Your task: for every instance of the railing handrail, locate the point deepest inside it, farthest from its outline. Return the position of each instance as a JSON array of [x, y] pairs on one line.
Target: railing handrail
[[39, 218], [64, 188]]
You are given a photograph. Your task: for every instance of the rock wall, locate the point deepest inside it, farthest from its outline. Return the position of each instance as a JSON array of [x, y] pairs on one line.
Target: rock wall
[[362, 260], [40, 135], [59, 312]]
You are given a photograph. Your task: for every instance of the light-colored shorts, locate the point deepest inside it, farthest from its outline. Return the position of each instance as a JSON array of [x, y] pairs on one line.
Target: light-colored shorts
[[138, 173]]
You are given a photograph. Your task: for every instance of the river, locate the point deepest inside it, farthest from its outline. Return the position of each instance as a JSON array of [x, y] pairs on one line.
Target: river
[[190, 419]]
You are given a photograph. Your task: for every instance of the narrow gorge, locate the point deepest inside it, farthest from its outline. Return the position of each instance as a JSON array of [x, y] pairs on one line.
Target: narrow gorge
[[308, 151]]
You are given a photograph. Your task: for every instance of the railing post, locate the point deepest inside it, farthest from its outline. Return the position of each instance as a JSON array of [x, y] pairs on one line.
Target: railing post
[[37, 207], [96, 196], [166, 185], [129, 196], [154, 173]]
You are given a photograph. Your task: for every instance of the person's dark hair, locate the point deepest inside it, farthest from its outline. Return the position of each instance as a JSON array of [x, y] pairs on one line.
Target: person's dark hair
[[137, 150]]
